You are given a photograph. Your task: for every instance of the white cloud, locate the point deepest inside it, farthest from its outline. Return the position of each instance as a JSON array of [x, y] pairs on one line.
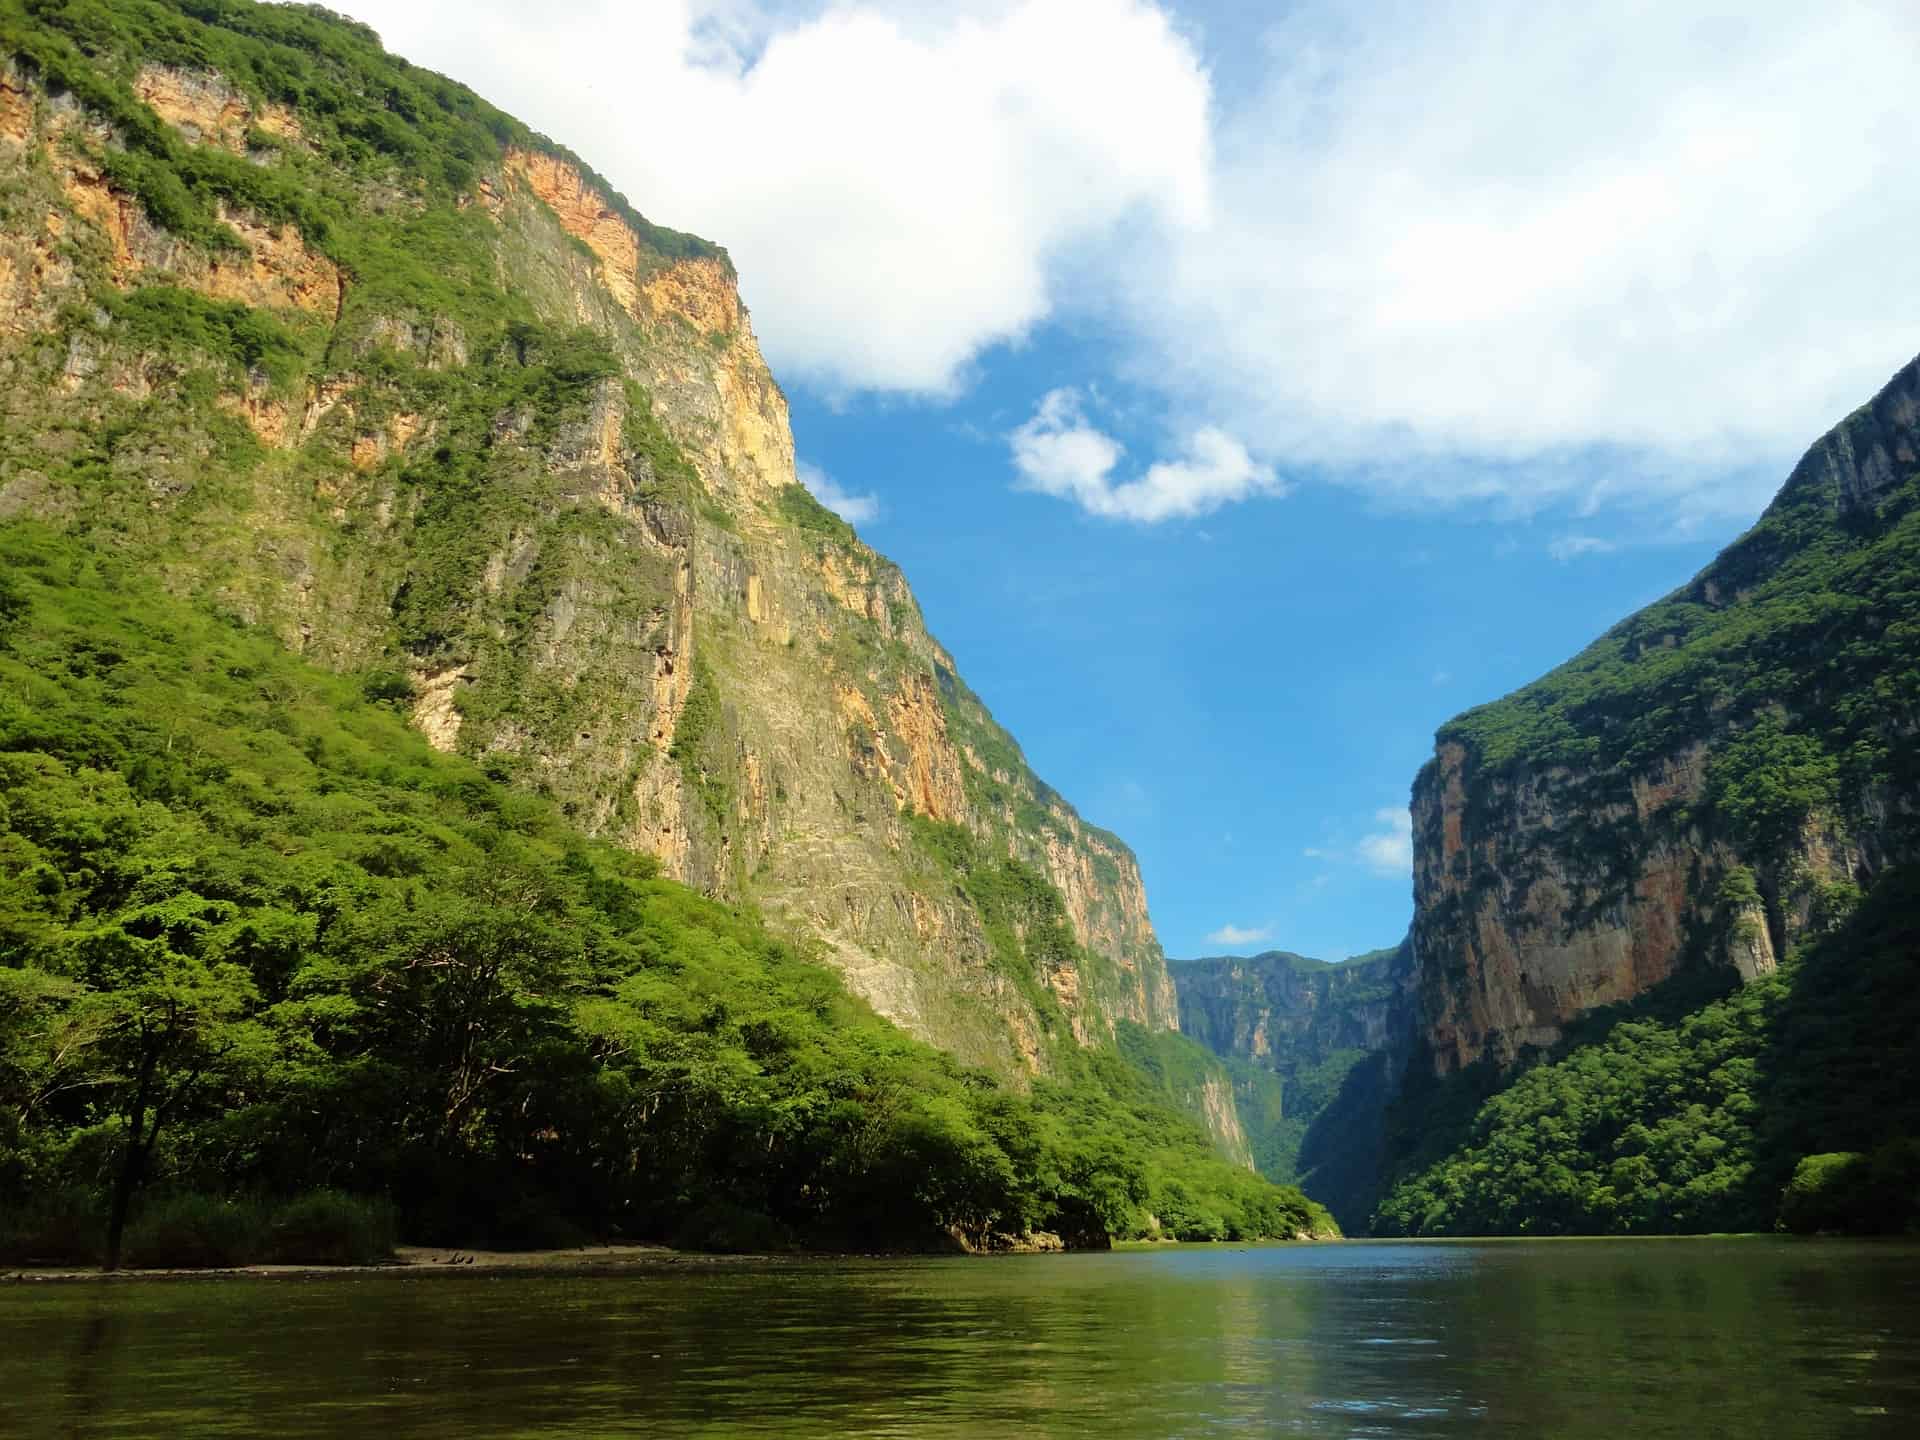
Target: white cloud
[[897, 183], [854, 509], [1060, 452], [1389, 849], [1460, 246], [1240, 935], [1571, 547]]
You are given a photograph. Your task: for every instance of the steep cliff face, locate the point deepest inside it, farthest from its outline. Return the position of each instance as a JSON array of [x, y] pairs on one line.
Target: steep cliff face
[[1702, 785], [1316, 1051], [421, 394]]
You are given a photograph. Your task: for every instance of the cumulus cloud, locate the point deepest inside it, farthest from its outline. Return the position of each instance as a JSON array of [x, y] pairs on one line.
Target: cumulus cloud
[[854, 509], [1389, 849], [1240, 935], [897, 182], [1060, 452], [1556, 242]]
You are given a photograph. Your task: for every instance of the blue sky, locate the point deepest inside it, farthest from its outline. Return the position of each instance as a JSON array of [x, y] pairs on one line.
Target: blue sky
[[1246, 390]]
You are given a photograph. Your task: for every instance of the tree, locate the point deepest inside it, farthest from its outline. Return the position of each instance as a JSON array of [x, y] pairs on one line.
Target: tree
[[170, 1024]]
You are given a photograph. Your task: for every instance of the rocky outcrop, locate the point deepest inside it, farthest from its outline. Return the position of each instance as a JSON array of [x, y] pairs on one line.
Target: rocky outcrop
[[205, 109]]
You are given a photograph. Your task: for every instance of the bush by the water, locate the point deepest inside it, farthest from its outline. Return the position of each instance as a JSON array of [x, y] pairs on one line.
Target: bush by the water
[[188, 1231], [328, 1227], [1845, 1192], [196, 1232]]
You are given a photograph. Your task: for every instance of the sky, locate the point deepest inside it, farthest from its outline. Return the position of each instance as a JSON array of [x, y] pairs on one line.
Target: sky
[[1246, 390]]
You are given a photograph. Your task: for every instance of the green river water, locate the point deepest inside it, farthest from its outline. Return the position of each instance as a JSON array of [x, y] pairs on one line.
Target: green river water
[[1623, 1339]]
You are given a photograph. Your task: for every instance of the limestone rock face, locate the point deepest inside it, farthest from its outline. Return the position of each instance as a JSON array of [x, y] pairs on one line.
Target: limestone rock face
[[1630, 815], [611, 590]]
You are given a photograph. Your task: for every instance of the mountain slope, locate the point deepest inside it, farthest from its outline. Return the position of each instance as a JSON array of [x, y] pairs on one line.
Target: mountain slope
[[341, 351], [320, 344], [1703, 783], [1644, 873], [257, 938]]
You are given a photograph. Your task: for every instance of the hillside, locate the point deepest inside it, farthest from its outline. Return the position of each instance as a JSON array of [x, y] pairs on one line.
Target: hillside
[[1695, 803], [258, 938], [324, 348]]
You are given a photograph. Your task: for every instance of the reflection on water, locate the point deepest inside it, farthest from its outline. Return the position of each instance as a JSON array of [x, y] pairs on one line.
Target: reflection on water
[[1589, 1338]]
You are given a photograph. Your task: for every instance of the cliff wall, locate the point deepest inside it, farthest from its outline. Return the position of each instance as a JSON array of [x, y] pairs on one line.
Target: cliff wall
[[439, 407], [1707, 782]]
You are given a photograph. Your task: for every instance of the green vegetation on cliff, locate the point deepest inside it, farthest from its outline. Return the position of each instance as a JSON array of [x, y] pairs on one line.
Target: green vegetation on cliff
[[1708, 787], [1795, 654], [364, 115], [1672, 1115], [256, 939]]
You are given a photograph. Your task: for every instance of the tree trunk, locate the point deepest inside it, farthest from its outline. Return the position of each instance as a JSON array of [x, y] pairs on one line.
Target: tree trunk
[[136, 1157]]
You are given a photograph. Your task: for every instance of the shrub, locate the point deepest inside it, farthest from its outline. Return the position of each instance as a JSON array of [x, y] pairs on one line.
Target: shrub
[[63, 1228], [328, 1227], [196, 1232], [1823, 1194], [381, 685], [730, 1229]]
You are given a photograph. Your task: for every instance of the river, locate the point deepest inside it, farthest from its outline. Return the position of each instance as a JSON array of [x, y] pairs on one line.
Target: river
[[1622, 1339]]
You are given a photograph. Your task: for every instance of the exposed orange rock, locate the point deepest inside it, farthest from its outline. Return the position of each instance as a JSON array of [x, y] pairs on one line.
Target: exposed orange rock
[[402, 428], [932, 785], [1519, 932], [113, 213], [323, 397], [587, 215], [199, 104], [279, 269], [435, 713], [264, 413], [854, 707], [702, 291], [16, 109], [370, 447]]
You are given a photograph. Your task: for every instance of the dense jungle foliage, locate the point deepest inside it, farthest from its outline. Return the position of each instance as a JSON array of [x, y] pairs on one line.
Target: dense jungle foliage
[[257, 939], [1793, 1099]]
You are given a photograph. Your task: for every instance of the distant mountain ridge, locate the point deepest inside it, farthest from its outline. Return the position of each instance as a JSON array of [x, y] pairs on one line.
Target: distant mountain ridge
[[1316, 1049]]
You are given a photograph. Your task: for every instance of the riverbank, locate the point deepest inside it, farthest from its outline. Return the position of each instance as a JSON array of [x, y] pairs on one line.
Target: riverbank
[[423, 1260]]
